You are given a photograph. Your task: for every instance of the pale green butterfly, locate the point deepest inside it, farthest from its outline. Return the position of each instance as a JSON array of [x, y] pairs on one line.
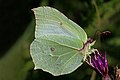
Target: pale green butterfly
[[60, 45]]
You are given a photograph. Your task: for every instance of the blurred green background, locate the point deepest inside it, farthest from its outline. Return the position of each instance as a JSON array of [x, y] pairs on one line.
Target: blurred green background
[[17, 25]]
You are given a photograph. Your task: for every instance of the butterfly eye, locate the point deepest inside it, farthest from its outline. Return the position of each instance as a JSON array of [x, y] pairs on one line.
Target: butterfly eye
[[90, 40]]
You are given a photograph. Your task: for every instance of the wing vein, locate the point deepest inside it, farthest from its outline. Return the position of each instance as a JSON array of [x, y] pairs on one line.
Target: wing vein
[[67, 62], [62, 44]]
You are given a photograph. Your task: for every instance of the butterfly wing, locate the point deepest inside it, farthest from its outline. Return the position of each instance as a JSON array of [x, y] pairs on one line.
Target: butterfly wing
[[50, 21], [57, 42]]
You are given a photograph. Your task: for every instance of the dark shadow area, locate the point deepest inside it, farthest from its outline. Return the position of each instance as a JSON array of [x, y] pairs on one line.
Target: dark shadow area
[[14, 18]]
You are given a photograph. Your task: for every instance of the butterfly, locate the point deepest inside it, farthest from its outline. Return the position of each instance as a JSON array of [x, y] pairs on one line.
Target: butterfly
[[60, 45]]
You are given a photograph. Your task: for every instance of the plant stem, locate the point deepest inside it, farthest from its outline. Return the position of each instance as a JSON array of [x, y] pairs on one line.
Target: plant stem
[[93, 76], [99, 23], [99, 26]]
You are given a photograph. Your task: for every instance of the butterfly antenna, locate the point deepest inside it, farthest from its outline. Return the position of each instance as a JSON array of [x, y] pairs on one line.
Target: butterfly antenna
[[96, 33]]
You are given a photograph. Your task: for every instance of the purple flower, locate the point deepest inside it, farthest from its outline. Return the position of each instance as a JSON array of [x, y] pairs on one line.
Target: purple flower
[[99, 63]]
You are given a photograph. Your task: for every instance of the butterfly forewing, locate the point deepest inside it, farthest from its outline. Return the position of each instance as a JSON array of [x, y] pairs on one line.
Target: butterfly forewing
[[51, 21]]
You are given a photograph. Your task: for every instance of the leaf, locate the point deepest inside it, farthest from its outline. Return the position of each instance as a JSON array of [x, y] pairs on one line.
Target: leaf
[[57, 44]]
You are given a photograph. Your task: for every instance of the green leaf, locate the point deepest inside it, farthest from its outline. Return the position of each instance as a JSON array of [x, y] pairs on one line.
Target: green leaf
[[58, 42]]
